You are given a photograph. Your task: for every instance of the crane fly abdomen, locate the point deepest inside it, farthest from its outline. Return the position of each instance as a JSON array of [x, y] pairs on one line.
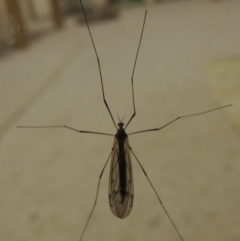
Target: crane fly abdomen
[[121, 177]]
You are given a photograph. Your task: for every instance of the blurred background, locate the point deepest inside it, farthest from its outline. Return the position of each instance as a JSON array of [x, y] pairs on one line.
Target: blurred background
[[189, 62]]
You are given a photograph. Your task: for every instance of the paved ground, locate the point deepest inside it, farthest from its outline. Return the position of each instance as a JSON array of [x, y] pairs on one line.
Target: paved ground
[[49, 176]]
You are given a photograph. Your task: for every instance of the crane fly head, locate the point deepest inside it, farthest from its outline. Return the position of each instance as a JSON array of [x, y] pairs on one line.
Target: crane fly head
[[120, 123]]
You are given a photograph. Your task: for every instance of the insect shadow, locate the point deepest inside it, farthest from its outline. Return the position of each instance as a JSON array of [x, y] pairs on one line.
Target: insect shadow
[[121, 190]]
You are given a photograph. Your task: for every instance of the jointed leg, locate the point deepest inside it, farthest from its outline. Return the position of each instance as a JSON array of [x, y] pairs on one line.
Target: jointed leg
[[95, 202], [159, 199]]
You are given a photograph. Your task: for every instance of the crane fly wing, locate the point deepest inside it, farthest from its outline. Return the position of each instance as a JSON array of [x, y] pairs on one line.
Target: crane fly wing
[[121, 202]]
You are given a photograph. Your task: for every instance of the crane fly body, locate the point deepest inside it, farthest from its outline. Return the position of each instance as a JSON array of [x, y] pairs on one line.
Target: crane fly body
[[121, 190], [121, 176]]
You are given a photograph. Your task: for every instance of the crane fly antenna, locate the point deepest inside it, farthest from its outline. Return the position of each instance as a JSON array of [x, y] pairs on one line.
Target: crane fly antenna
[[118, 118], [99, 67], [122, 118], [135, 62], [178, 118]]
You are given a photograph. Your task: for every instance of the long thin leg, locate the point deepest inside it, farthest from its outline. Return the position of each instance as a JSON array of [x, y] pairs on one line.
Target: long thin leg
[[99, 67], [68, 127], [135, 62], [159, 199], [178, 118], [95, 202]]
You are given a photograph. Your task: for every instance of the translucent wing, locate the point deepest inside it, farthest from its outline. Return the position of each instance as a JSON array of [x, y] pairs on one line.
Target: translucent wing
[[121, 190]]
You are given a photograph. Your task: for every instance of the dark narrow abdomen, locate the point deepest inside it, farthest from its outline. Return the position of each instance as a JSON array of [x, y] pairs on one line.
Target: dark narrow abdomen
[[122, 169]]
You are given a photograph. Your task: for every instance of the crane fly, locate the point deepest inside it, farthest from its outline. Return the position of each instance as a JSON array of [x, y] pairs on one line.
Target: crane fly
[[121, 190]]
